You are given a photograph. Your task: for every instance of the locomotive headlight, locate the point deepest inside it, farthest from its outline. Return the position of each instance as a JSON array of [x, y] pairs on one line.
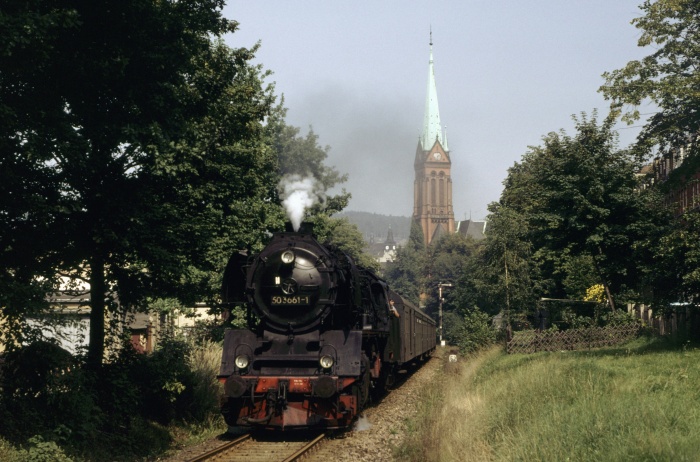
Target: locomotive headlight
[[242, 361], [326, 361], [287, 257]]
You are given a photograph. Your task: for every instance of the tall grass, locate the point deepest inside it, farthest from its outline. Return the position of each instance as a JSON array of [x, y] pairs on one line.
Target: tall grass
[[637, 403], [204, 361], [205, 422]]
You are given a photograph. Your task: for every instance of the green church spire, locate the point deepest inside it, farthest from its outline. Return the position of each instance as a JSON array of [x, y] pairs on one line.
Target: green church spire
[[432, 129]]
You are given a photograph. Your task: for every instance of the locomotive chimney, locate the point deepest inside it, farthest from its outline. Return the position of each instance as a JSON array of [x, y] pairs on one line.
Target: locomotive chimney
[[306, 227]]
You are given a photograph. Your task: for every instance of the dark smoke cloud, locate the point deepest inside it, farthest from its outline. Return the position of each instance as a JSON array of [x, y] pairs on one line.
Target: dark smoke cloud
[[372, 138]]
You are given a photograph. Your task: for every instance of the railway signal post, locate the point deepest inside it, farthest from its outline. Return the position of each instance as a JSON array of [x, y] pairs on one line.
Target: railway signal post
[[440, 287]]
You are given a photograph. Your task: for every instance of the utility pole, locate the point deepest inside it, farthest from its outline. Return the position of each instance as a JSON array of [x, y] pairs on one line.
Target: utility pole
[[440, 286]]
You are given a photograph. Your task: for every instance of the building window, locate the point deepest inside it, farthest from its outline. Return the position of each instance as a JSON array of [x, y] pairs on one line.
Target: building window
[[442, 192]]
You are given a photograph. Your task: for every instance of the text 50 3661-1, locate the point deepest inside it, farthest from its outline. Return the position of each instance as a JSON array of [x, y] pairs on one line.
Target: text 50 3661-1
[[290, 300]]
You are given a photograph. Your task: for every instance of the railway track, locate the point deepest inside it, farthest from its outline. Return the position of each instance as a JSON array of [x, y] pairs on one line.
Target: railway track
[[249, 448]]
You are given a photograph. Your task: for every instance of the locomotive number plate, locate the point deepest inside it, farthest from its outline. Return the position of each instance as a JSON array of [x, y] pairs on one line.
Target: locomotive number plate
[[290, 300]]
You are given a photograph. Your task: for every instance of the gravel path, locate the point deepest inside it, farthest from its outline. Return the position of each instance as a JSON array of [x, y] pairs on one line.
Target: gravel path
[[383, 426]]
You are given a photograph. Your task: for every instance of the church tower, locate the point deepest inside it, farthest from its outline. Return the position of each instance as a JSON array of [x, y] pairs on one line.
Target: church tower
[[432, 196]]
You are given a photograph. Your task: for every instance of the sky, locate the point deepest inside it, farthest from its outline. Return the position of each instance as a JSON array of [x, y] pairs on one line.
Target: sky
[[508, 72]]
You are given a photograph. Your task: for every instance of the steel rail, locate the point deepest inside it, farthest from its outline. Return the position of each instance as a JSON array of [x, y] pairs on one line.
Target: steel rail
[[305, 449], [220, 449]]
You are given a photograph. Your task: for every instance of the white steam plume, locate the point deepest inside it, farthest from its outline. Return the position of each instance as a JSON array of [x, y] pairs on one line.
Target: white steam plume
[[298, 195]]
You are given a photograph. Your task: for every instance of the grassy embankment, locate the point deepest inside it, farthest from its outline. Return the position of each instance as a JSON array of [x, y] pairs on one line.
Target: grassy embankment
[[640, 402]]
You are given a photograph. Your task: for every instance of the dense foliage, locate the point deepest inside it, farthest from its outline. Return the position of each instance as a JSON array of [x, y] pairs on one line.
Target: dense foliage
[[407, 274], [346, 236], [137, 153], [583, 201], [118, 414], [572, 215], [502, 276], [131, 139], [666, 80]]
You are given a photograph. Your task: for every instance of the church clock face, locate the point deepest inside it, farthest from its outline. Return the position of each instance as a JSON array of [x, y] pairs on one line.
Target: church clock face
[[437, 156]]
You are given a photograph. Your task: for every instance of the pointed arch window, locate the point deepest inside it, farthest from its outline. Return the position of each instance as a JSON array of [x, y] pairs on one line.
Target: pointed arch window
[[442, 192]]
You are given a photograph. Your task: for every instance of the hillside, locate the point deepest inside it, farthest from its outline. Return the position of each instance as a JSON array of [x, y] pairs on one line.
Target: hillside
[[376, 226]]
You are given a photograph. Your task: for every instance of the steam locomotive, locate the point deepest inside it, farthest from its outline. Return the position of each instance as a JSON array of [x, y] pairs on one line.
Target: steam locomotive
[[324, 334]]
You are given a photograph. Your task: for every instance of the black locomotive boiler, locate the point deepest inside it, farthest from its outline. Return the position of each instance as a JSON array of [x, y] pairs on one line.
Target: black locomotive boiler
[[322, 335]]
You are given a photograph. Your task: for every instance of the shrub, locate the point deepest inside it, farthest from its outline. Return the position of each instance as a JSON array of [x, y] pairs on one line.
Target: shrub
[[119, 397], [42, 451], [469, 332], [164, 382], [7, 452], [617, 318], [571, 320], [47, 400], [45, 392], [478, 332], [453, 327]]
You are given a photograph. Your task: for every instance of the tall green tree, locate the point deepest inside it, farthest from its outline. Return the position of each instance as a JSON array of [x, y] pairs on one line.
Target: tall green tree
[[450, 254], [447, 262], [582, 199], [346, 236], [501, 276], [407, 275], [305, 157], [301, 155], [132, 148], [668, 78], [676, 257]]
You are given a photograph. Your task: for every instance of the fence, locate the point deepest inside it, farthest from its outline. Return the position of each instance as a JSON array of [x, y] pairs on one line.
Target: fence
[[684, 319], [531, 341]]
